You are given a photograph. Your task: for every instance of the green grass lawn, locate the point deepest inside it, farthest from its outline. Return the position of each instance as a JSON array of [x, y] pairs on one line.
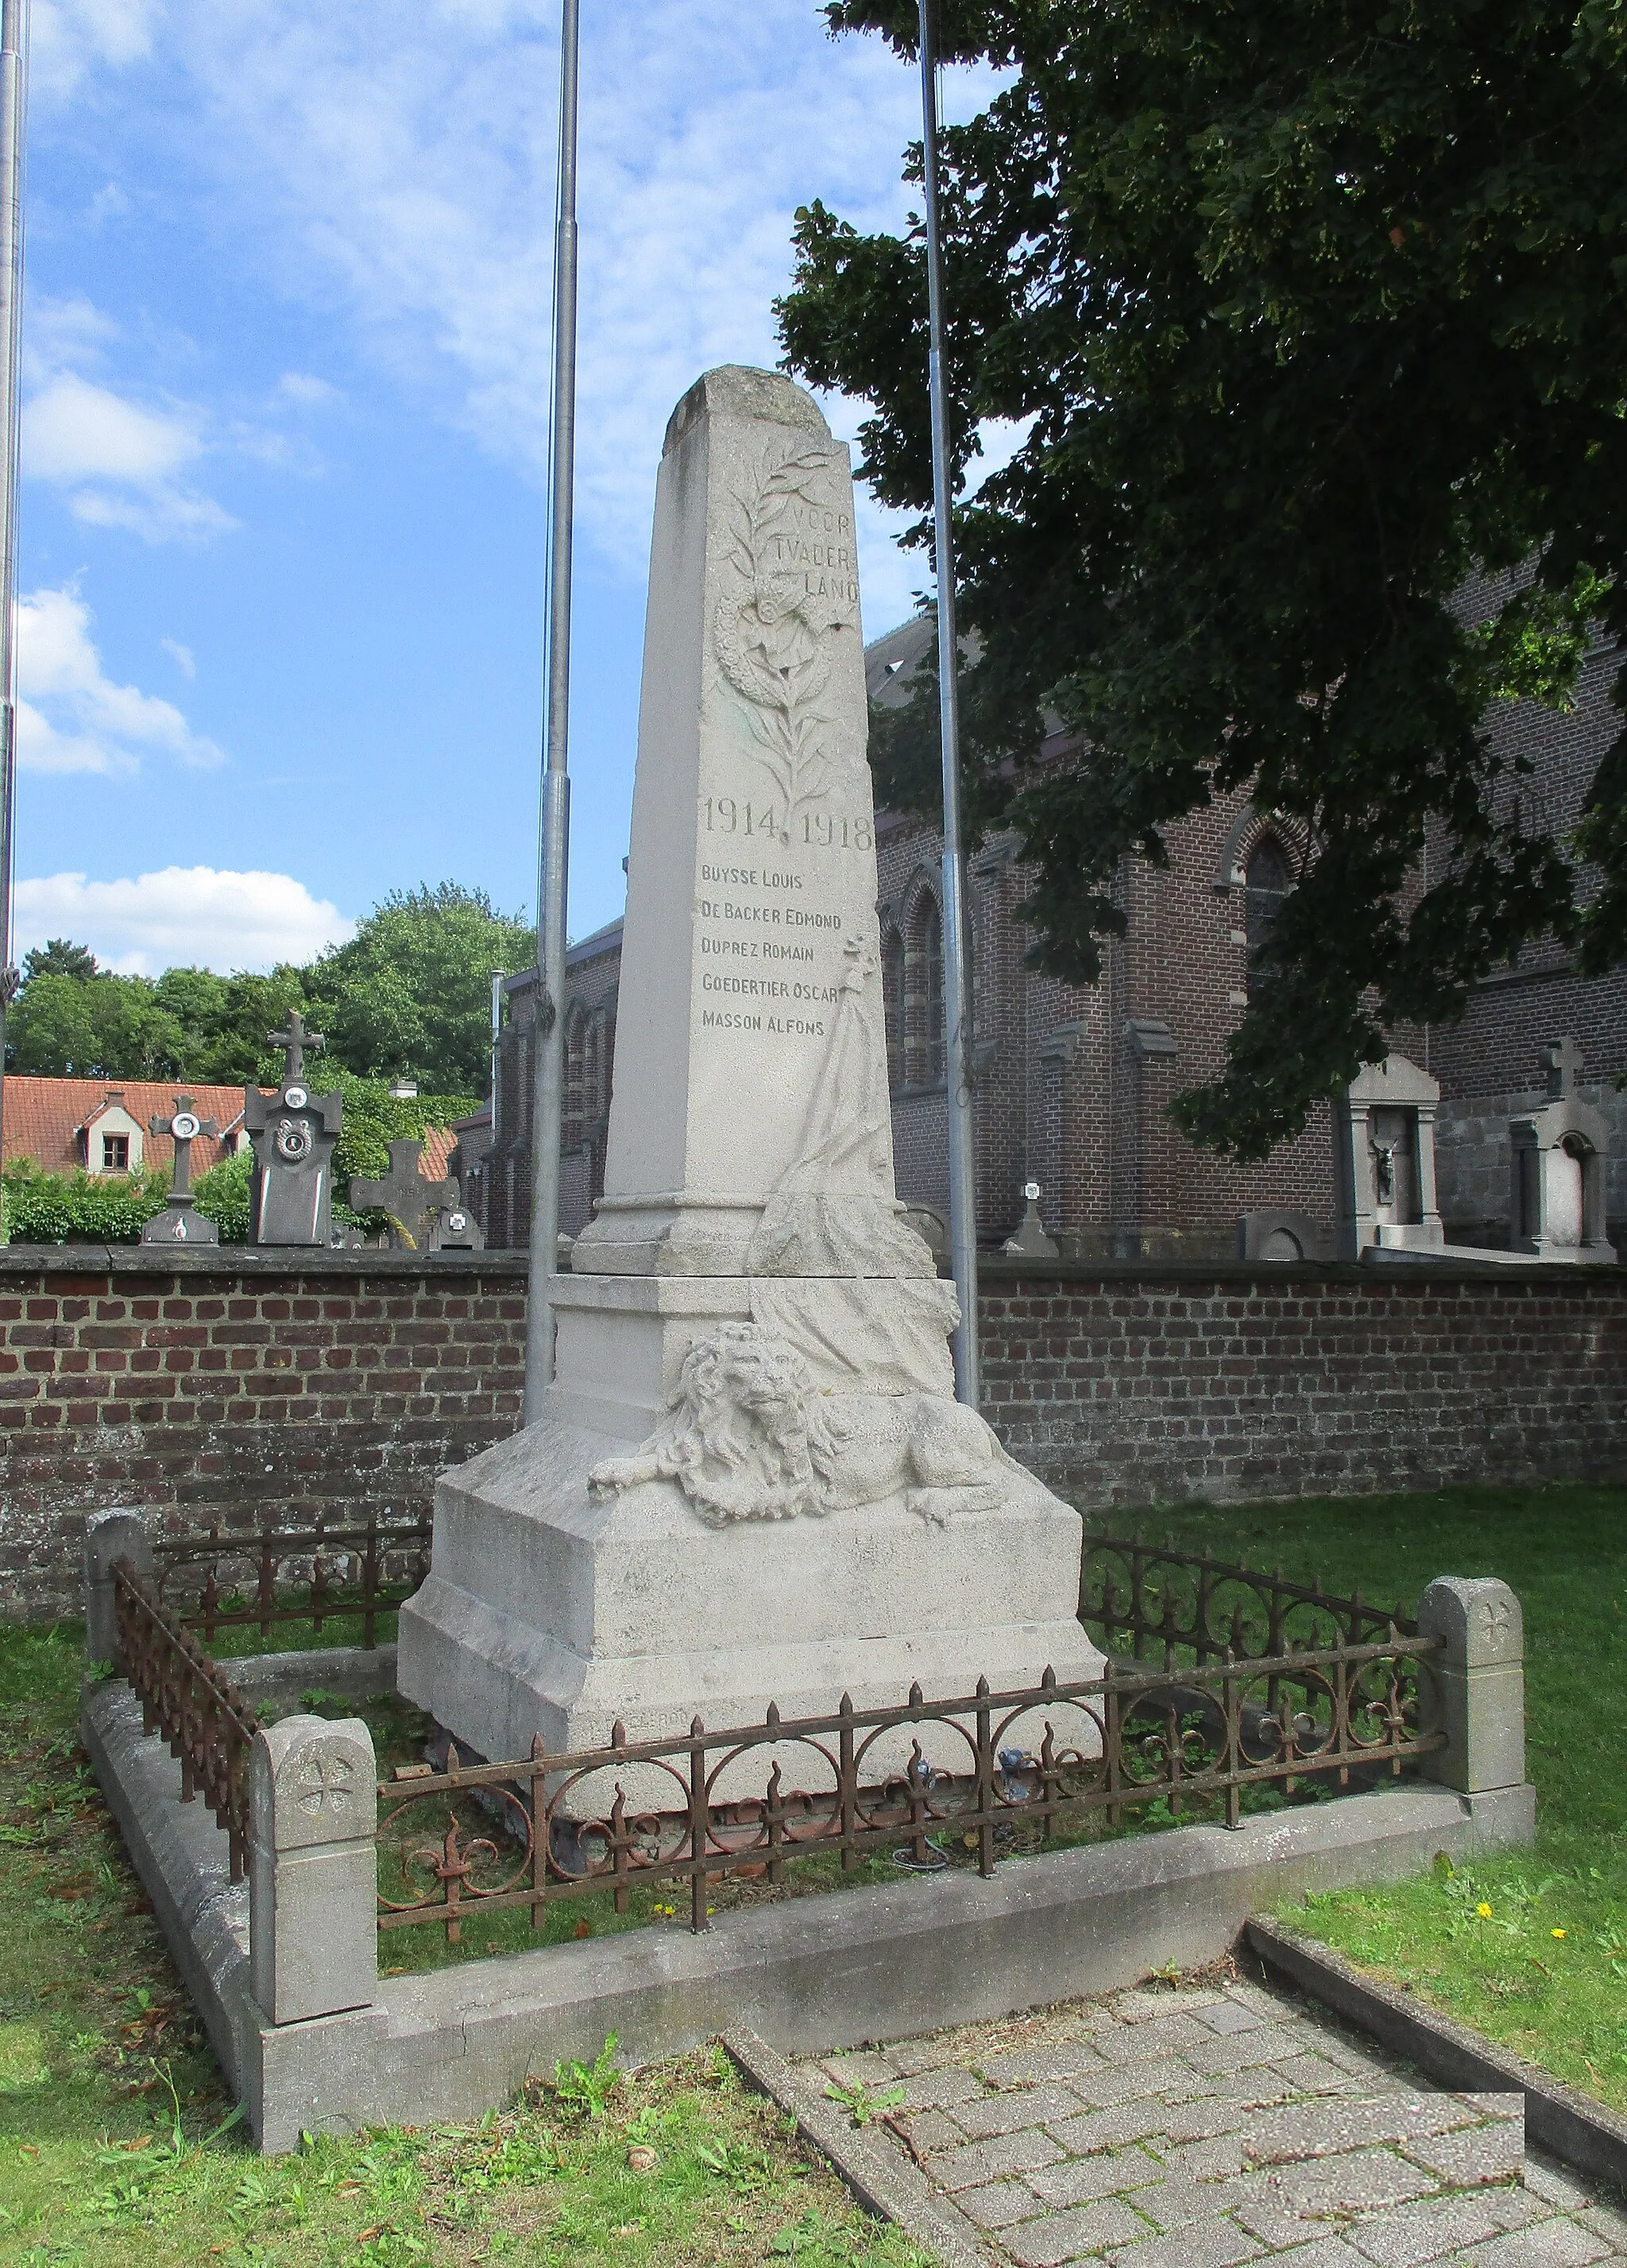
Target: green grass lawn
[[110, 2100], [114, 2139], [1545, 1970]]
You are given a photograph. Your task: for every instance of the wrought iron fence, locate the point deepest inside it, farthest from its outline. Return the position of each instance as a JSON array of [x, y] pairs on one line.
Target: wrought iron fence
[[187, 1697], [295, 1573], [1189, 1606], [752, 1799]]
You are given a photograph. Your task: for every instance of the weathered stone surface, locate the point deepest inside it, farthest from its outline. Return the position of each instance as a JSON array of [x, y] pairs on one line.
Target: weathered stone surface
[[1475, 1691], [752, 1484], [312, 1868]]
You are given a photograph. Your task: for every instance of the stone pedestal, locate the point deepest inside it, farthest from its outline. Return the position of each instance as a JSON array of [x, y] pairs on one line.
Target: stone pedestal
[[752, 1482], [1556, 1161]]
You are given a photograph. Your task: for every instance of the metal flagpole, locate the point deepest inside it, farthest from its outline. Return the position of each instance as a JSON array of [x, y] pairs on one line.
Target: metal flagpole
[[956, 988], [13, 114], [548, 1065]]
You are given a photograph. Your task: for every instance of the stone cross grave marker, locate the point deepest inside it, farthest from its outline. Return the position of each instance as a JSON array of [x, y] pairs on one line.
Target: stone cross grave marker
[[1562, 1060], [293, 1132], [179, 1222], [412, 1202]]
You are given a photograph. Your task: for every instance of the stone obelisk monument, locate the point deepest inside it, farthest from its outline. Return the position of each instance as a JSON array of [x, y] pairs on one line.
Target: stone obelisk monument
[[752, 1480]]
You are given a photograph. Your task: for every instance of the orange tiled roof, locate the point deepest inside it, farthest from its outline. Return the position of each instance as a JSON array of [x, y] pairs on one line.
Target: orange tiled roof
[[43, 1117], [439, 1142]]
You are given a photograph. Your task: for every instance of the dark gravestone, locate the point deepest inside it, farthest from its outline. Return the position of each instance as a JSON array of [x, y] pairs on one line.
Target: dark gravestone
[[293, 1132], [456, 1229], [179, 1222], [410, 1200]]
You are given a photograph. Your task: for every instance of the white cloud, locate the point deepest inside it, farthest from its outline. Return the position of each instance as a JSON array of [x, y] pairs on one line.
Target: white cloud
[[201, 917], [182, 656], [71, 715], [308, 392], [120, 463], [68, 37], [404, 151]]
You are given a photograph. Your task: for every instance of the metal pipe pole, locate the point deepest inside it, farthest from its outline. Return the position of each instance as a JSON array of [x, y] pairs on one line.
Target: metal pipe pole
[[13, 115], [957, 985], [548, 1059]]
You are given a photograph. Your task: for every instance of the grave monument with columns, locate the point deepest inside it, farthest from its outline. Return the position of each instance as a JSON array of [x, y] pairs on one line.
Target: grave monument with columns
[[751, 1482]]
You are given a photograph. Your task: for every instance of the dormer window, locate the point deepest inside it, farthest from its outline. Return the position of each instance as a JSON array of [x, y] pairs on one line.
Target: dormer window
[[115, 1153]]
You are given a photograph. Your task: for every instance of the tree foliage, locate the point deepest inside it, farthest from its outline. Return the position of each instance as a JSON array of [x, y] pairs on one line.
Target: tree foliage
[[409, 997], [1313, 311], [411, 990]]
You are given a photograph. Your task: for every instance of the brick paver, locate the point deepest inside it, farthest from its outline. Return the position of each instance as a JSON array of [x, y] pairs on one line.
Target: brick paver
[[1196, 2128]]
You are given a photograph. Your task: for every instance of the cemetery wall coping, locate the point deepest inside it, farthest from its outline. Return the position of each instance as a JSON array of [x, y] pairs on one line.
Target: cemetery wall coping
[[250, 1260], [993, 1268]]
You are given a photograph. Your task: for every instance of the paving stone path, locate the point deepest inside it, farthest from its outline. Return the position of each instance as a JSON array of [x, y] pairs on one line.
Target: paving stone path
[[1196, 2128]]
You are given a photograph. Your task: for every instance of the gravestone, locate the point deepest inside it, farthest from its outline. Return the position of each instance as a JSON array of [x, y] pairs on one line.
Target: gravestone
[[1031, 1240], [454, 1228], [1556, 1162], [1384, 1160], [180, 1222], [751, 1482], [293, 1133], [411, 1200]]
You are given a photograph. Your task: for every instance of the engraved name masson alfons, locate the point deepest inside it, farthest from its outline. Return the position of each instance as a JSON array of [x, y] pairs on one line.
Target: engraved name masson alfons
[[791, 583]]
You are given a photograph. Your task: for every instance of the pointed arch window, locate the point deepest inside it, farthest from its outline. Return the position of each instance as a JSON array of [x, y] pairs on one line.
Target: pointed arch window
[[932, 994], [1270, 879], [893, 1003]]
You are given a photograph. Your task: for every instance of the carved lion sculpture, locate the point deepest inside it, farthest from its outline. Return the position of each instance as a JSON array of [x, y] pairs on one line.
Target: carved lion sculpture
[[752, 1437]]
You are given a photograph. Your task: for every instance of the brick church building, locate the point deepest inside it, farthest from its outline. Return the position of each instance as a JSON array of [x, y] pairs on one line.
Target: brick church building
[[1072, 1083]]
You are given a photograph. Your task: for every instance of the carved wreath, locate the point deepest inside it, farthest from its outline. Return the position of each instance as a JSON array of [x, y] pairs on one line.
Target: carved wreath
[[772, 632]]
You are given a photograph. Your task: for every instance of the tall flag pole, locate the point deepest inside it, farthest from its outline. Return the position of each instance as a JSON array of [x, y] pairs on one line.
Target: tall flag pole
[[548, 1044], [13, 116], [957, 985]]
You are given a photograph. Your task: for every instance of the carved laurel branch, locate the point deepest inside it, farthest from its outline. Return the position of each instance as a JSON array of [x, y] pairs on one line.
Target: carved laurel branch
[[774, 659]]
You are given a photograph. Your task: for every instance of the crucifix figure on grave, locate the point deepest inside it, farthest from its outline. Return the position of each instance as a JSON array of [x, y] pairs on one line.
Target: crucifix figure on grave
[[412, 1202], [1562, 1060], [179, 1223], [293, 1132]]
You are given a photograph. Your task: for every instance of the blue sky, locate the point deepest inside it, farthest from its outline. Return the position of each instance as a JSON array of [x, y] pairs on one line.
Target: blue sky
[[286, 337]]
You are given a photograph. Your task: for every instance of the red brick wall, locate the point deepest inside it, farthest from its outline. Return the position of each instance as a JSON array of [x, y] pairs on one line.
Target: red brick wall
[[1136, 1385], [348, 1380], [1062, 1095], [339, 1381]]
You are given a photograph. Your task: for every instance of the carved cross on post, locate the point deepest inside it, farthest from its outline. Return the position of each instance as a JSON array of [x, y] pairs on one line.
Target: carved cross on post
[[1563, 1063], [295, 1042], [179, 1223], [411, 1202]]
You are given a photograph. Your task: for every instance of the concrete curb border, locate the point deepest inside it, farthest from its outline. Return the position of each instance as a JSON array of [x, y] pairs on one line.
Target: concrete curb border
[[1579, 2132], [882, 2183], [809, 1975]]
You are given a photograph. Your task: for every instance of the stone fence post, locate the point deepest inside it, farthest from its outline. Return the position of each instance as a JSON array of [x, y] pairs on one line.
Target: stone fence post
[[313, 1931], [1480, 1698], [119, 1534]]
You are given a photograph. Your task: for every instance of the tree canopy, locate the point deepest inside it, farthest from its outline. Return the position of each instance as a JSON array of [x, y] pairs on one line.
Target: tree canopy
[[411, 990], [1314, 313], [409, 996]]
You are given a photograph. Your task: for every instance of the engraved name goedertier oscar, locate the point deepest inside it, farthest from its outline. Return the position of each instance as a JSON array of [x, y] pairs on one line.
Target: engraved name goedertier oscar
[[784, 819]]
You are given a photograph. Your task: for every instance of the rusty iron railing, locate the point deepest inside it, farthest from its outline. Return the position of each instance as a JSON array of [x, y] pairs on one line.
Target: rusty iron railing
[[190, 1700], [529, 1832], [1152, 1602], [278, 1573]]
